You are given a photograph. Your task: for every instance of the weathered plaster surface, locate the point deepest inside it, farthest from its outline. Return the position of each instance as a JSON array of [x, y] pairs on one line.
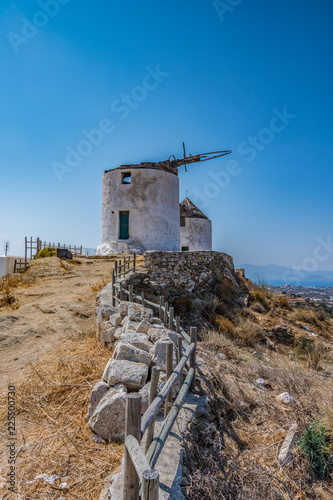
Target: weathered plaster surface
[[196, 234], [152, 199]]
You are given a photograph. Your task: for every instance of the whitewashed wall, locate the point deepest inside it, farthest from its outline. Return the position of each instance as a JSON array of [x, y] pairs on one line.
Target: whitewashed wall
[[196, 234], [152, 199]]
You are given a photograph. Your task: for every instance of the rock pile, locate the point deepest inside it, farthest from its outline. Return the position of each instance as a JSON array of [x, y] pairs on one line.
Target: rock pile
[[281, 334], [141, 344]]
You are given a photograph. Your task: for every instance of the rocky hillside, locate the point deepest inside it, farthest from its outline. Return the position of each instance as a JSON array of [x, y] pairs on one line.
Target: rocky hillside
[[268, 369], [265, 366]]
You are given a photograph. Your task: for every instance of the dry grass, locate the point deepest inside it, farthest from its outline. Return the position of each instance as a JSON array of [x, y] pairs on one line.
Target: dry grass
[[307, 316], [235, 455], [12, 281], [248, 333], [260, 297], [97, 287], [224, 325], [54, 437], [8, 284]]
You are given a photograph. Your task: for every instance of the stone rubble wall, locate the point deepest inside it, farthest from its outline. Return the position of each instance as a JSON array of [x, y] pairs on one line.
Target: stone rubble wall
[[184, 271], [140, 343]]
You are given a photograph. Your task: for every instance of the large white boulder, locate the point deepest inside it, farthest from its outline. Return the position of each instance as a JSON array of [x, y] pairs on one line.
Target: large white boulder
[[133, 375], [136, 312], [108, 419], [108, 335], [104, 311], [115, 319], [143, 326], [159, 353], [129, 325], [157, 332], [285, 398], [137, 340], [123, 308], [98, 392], [127, 351], [118, 331]]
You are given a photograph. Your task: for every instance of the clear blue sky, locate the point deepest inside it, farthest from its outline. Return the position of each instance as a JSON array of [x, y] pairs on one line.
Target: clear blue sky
[[223, 74]]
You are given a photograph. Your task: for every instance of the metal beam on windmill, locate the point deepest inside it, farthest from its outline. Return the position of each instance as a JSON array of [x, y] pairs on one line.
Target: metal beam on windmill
[[187, 160]]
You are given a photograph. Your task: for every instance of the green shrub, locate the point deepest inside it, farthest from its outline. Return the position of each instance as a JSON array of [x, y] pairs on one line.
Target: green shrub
[[183, 305], [283, 303], [46, 252], [312, 351], [316, 444], [304, 345]]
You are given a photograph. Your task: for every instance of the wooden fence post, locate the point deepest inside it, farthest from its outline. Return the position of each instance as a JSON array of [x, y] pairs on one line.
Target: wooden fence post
[[166, 309], [150, 485], [25, 249], [155, 373], [143, 298], [121, 294], [161, 314], [130, 293], [113, 298], [132, 427], [134, 261], [115, 271], [193, 357], [177, 324], [169, 370], [179, 357], [171, 325], [113, 302]]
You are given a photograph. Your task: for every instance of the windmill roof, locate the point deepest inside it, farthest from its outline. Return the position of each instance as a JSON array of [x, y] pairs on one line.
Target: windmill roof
[[188, 209]]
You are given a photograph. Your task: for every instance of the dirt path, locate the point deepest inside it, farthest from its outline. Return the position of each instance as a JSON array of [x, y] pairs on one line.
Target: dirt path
[[60, 302]]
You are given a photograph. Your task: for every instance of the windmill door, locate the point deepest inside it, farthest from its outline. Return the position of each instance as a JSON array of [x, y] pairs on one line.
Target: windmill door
[[123, 225]]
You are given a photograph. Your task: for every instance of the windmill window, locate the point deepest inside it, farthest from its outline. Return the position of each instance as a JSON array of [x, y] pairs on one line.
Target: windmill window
[[182, 221], [184, 249], [126, 178]]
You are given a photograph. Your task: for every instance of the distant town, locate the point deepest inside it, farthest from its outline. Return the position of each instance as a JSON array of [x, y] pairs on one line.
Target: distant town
[[314, 296]]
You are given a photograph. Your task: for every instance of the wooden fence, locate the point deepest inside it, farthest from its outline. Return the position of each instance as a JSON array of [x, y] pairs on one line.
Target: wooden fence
[[128, 265], [141, 480], [32, 247]]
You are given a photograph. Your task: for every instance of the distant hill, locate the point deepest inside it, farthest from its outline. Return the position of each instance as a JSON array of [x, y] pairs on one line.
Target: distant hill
[[279, 275]]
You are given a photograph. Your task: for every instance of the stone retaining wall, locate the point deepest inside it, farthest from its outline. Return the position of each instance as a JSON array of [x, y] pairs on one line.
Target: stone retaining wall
[[192, 271]]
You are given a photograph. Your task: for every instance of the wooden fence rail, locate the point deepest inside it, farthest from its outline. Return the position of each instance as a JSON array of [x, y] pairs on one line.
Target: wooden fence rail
[[141, 480], [126, 265], [139, 465]]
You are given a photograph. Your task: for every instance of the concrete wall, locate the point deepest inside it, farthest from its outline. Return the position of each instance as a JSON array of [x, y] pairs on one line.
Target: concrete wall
[[152, 200], [7, 264], [196, 234]]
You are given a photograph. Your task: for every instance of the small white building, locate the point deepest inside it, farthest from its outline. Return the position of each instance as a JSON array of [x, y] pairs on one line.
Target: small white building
[[140, 209], [7, 263], [195, 228]]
